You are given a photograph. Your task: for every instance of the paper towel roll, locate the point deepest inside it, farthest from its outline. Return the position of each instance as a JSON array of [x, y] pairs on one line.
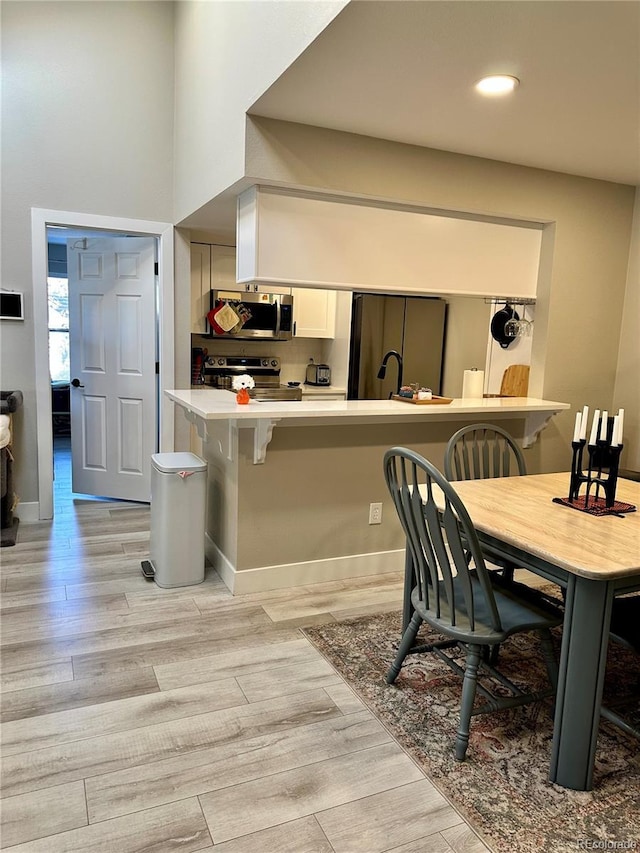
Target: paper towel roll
[[473, 384]]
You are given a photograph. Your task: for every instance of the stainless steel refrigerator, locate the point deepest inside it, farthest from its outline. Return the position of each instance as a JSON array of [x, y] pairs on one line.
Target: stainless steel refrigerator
[[413, 326]]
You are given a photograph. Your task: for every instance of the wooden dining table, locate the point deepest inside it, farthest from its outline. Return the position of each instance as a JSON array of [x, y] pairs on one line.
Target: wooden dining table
[[594, 559]]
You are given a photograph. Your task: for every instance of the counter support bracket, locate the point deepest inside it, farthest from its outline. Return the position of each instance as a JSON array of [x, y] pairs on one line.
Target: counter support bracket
[[219, 432], [534, 423], [199, 423], [224, 433], [262, 435]]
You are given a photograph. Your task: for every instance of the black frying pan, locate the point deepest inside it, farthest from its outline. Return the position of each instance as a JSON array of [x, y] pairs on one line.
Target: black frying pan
[[499, 321]]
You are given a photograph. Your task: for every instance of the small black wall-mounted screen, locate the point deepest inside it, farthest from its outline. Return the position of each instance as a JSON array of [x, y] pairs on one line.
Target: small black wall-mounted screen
[[11, 306]]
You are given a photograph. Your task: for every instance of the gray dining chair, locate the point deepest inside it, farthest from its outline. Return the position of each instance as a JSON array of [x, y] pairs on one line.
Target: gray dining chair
[[483, 451], [625, 630], [625, 621], [461, 603]]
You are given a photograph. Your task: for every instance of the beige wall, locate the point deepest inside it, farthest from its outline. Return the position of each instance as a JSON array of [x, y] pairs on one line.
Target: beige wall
[[227, 55], [585, 247], [627, 387], [87, 127], [310, 500]]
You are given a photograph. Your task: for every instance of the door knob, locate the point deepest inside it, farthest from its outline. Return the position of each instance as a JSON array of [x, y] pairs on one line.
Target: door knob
[[76, 383]]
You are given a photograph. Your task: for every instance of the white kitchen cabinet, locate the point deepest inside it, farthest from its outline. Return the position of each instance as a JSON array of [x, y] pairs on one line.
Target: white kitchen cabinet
[[213, 267], [223, 268], [314, 312], [223, 273], [200, 286], [283, 235], [323, 395]]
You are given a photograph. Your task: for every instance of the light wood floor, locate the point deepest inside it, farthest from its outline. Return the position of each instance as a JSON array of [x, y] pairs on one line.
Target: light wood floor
[[141, 719]]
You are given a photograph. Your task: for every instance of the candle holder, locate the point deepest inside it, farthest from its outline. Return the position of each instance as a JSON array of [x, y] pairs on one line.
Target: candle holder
[[577, 475], [599, 453]]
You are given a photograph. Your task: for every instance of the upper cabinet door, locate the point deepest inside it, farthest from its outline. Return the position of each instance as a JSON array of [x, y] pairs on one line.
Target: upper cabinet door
[[223, 273], [223, 268], [200, 286], [213, 267], [314, 312]]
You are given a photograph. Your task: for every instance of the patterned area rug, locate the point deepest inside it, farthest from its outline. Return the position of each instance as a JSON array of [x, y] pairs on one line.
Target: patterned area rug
[[502, 789]]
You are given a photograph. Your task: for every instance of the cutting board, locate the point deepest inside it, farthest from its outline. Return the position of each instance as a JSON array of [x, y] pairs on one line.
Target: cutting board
[[434, 401], [515, 381]]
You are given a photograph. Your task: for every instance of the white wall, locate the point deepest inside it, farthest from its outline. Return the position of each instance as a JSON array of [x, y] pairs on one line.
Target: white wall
[[627, 388], [87, 126], [227, 55]]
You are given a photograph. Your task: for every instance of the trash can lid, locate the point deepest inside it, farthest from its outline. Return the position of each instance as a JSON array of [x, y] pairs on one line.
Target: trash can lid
[[170, 463]]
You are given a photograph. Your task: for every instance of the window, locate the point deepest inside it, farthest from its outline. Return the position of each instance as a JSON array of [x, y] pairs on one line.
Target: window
[[58, 290]]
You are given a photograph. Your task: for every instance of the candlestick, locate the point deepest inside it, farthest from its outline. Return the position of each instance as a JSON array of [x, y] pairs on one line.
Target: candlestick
[[612, 480], [604, 423], [583, 428], [577, 477], [602, 464], [594, 479], [621, 426], [614, 435], [577, 427]]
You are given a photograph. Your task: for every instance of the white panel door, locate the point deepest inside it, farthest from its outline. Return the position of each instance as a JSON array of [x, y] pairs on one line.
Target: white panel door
[[112, 355]]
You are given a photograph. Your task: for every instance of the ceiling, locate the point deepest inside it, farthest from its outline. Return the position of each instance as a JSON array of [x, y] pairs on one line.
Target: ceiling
[[404, 70]]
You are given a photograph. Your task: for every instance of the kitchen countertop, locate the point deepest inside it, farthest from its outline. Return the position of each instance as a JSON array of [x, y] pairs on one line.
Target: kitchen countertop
[[214, 404], [206, 407]]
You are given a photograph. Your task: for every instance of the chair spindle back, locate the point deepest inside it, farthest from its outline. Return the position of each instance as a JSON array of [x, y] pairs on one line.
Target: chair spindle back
[[435, 538], [482, 451]]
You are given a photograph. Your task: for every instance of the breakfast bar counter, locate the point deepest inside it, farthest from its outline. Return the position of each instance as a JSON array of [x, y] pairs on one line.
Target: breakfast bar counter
[[218, 405], [290, 483]]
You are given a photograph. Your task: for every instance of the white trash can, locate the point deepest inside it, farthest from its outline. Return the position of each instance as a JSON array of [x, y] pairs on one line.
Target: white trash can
[[178, 503]]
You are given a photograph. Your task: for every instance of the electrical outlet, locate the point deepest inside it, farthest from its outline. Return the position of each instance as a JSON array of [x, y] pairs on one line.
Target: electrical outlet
[[375, 513]]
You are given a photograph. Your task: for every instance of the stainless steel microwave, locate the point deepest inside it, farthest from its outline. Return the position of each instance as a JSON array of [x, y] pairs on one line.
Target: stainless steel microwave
[[247, 315]]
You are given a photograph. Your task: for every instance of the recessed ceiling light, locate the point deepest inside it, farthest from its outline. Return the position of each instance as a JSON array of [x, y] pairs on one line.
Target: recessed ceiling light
[[497, 84]]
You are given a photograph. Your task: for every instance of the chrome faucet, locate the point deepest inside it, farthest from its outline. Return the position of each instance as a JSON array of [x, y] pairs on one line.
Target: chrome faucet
[[383, 367]]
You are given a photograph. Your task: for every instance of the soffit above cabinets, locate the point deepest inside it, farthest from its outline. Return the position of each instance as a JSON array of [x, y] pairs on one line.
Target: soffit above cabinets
[[331, 242]]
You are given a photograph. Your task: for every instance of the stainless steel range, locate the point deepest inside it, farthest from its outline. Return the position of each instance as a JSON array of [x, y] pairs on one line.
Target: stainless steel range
[[219, 371]]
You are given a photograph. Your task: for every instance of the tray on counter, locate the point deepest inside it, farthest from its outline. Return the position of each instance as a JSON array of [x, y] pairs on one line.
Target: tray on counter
[[434, 401]]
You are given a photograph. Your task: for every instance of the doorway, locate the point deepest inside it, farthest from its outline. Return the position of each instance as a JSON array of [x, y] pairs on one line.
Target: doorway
[[102, 358], [44, 222]]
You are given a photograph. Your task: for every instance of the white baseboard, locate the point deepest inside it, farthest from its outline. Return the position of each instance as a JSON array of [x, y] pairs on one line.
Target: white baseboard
[[28, 512], [300, 574], [223, 567]]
